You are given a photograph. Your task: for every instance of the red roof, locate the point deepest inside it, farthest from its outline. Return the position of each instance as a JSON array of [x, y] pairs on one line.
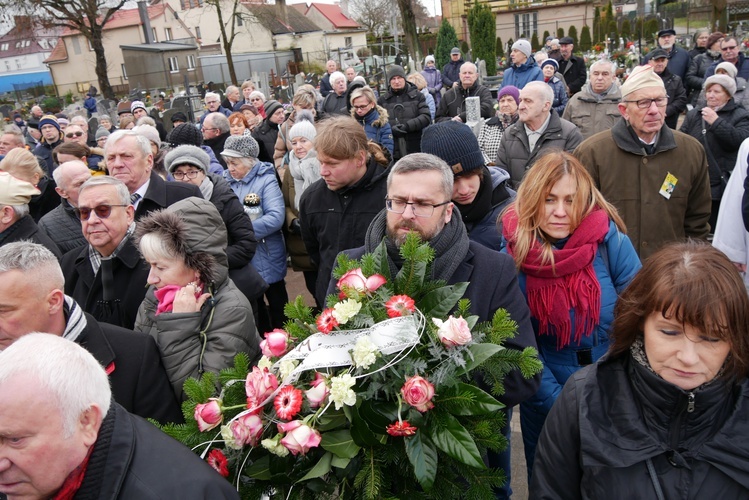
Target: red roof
[[126, 18], [333, 13], [59, 53]]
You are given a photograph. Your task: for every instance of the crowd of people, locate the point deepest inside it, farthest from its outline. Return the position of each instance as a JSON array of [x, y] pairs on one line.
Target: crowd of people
[[150, 256]]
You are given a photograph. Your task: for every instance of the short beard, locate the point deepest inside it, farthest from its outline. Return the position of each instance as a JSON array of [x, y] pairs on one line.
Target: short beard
[[399, 238]]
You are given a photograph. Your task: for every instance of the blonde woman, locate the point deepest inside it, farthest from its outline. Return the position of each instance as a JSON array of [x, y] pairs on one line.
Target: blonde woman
[[421, 84]]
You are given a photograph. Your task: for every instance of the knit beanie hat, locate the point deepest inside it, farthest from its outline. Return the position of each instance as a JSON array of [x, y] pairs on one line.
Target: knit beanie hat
[[271, 106], [729, 68], [187, 155], [454, 143], [550, 62], [523, 46], [396, 70], [304, 126], [510, 90], [179, 116], [725, 81], [640, 78], [49, 120], [185, 133], [137, 104], [241, 146], [149, 133], [714, 37], [101, 132], [428, 59]]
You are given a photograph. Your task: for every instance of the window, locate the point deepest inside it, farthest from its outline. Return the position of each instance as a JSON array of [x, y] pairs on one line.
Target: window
[[4, 46], [167, 34], [76, 45], [190, 63], [526, 24], [124, 72], [348, 41], [173, 65], [197, 32], [153, 34], [190, 4], [240, 22]]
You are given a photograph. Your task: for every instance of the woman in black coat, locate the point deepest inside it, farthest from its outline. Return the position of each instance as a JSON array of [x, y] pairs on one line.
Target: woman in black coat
[[267, 132], [720, 126]]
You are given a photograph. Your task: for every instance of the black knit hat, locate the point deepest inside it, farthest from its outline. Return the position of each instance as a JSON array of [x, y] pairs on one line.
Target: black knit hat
[[396, 70], [271, 106], [186, 133], [455, 143], [179, 116]]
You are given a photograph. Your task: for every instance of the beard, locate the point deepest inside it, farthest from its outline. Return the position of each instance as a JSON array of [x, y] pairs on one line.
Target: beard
[[398, 238]]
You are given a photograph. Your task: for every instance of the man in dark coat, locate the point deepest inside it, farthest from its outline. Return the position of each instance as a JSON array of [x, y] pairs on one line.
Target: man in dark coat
[[62, 224], [31, 284], [107, 277], [15, 222], [677, 94], [86, 446], [325, 85], [51, 138], [215, 132], [408, 112], [678, 58], [452, 106], [730, 51], [572, 67], [451, 70]]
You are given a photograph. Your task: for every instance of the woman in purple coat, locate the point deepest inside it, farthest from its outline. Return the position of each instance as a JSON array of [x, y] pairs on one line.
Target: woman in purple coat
[[434, 79]]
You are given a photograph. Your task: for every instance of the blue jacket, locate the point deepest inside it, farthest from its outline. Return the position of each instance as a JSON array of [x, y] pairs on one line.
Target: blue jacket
[[742, 67], [270, 255], [430, 101], [485, 231], [560, 95], [377, 127], [451, 73], [519, 76]]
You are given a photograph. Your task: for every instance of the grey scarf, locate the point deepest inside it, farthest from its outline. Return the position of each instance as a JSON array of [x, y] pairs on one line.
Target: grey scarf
[[206, 188]]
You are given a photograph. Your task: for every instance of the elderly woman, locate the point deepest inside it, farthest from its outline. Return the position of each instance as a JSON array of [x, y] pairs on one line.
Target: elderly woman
[[492, 130], [372, 117], [251, 115], [191, 164], [23, 165], [573, 261], [254, 183], [664, 416], [304, 100], [196, 314], [266, 134], [721, 126], [238, 124], [421, 86], [335, 101], [257, 99], [105, 121], [549, 68]]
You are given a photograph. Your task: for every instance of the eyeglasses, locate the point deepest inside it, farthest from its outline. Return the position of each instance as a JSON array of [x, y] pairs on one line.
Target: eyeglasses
[[211, 102], [73, 134], [206, 129], [256, 99], [419, 209], [191, 174], [646, 103], [726, 49], [101, 211], [362, 108]]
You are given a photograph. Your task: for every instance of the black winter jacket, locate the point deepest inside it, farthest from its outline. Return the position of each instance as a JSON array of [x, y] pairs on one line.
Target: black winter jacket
[[335, 104], [265, 134], [161, 194], [677, 97], [25, 229], [697, 68], [453, 102], [451, 73], [63, 227], [47, 200], [406, 107], [615, 415], [575, 73]]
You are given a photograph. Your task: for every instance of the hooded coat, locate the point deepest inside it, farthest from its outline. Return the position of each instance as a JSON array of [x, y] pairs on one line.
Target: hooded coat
[[519, 76], [376, 127], [592, 114], [209, 339]]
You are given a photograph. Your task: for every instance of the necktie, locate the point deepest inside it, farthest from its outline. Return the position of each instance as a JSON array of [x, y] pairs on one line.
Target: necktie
[[134, 198]]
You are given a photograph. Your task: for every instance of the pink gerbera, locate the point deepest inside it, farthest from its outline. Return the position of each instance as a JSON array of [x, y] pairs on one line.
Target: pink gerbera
[[401, 429], [400, 305], [288, 402], [326, 321]]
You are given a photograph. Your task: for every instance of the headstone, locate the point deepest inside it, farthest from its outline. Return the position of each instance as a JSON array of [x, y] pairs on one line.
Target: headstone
[[5, 110], [473, 113], [167, 118], [481, 64]]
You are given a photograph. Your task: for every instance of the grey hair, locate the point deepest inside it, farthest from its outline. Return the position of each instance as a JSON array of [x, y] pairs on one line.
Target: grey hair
[[20, 210], [211, 94], [123, 195], [142, 141], [105, 118], [423, 162], [257, 93], [469, 63], [32, 258], [605, 62], [13, 129], [543, 88], [335, 76], [146, 120], [220, 121], [80, 121], [232, 88], [540, 56], [59, 172], [74, 378]]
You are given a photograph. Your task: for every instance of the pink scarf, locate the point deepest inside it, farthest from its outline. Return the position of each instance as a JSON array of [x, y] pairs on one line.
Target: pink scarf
[[166, 296]]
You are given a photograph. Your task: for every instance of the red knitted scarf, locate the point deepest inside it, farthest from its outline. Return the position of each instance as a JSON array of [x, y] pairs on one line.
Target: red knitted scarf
[[74, 480], [571, 285]]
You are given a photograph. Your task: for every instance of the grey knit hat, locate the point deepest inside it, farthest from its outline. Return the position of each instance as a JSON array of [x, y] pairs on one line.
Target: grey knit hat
[[394, 71], [187, 155], [241, 146], [454, 143], [725, 81], [304, 126], [271, 106], [101, 132]]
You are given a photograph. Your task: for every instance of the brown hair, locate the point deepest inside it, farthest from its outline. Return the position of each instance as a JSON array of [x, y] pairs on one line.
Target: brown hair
[[238, 117], [71, 148], [695, 284], [536, 186], [342, 138]]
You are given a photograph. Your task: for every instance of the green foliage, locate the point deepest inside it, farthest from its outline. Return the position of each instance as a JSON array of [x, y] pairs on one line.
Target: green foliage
[[69, 98], [560, 33], [650, 30], [446, 40], [608, 12], [585, 41], [500, 48], [370, 477], [612, 32], [596, 25], [638, 28], [626, 28], [546, 35], [572, 33], [534, 42], [464, 48], [510, 42], [483, 30]]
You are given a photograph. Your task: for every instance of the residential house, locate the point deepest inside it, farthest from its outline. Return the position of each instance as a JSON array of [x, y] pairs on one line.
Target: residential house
[[23, 50], [343, 35]]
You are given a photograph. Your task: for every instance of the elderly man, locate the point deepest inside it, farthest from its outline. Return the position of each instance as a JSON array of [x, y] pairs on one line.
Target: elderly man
[[730, 51], [572, 67], [83, 123], [408, 112], [32, 300], [36, 113], [451, 70], [213, 105], [452, 105], [130, 159], [537, 130], [12, 138], [51, 138], [335, 101], [678, 58], [523, 69], [419, 188], [231, 97], [64, 436], [656, 177], [677, 94], [15, 222], [74, 133], [215, 132], [596, 107], [62, 225], [107, 277], [326, 86]]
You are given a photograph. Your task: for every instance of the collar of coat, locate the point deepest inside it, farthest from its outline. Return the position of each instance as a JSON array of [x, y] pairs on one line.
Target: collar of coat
[[626, 139]]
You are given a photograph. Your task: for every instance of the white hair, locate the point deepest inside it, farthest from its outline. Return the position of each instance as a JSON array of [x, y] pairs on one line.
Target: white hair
[[335, 76], [543, 88], [211, 94], [80, 121], [605, 62], [143, 143], [123, 195], [35, 261], [73, 377]]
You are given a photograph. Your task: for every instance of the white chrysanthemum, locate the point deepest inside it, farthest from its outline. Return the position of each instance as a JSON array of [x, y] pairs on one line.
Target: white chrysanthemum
[[345, 310], [364, 353], [341, 392], [265, 362], [274, 446], [285, 367]]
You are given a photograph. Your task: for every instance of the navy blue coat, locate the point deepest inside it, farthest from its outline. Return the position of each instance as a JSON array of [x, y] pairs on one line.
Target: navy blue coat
[[519, 76]]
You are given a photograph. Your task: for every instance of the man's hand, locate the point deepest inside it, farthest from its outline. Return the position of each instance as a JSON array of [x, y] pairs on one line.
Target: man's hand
[[457, 119], [399, 129]]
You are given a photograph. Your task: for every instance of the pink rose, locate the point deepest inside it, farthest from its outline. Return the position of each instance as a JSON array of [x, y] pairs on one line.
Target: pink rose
[[275, 343], [259, 385], [356, 280], [418, 392], [246, 430], [453, 332], [299, 437], [208, 415], [319, 391]]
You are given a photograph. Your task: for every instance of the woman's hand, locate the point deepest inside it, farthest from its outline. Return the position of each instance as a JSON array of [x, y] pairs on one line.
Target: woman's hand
[[709, 115], [185, 300]]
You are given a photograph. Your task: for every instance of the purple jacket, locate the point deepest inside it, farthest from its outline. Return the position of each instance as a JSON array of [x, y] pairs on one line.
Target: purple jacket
[[434, 82]]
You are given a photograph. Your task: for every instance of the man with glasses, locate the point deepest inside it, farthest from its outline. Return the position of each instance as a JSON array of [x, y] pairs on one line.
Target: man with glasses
[[730, 51], [678, 58], [216, 129], [213, 105], [108, 276], [656, 177], [74, 133]]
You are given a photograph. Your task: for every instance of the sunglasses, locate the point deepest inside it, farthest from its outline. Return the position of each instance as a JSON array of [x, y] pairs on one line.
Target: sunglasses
[[73, 134], [101, 211]]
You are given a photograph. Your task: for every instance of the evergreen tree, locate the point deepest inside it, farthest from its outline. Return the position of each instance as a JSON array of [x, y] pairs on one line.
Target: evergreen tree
[[626, 28], [510, 43], [585, 42], [482, 27], [638, 28], [572, 33], [596, 25], [500, 48], [612, 32], [464, 48], [608, 12], [534, 42], [650, 29], [446, 40], [560, 33], [546, 35]]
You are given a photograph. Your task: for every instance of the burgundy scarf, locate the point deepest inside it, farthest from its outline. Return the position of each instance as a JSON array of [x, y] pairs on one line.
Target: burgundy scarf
[[572, 285]]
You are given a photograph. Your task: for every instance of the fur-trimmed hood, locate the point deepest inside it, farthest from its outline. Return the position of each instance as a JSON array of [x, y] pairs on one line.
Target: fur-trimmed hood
[[194, 231], [381, 120]]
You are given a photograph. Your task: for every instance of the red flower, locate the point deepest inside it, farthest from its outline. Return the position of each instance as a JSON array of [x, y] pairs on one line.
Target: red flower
[[208, 415], [326, 321], [288, 402], [218, 461], [401, 429], [400, 305]]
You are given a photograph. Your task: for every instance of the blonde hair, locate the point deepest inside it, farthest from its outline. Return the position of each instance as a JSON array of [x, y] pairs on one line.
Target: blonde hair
[[22, 164], [342, 138], [418, 80], [363, 92]]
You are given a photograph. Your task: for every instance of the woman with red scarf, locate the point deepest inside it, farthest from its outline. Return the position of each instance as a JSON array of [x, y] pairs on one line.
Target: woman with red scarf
[[573, 260]]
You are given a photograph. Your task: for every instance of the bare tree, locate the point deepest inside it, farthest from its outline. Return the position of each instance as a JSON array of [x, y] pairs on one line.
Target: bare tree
[[372, 14], [409, 30], [86, 16], [228, 29]]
